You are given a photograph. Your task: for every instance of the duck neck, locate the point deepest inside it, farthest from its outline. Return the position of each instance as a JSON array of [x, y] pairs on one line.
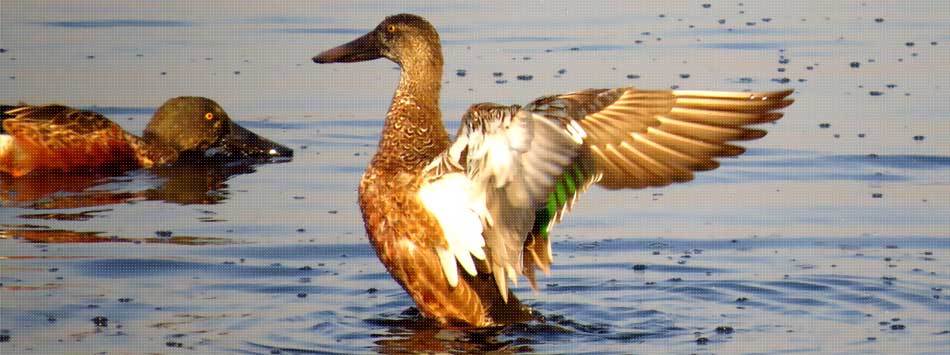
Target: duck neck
[[413, 134]]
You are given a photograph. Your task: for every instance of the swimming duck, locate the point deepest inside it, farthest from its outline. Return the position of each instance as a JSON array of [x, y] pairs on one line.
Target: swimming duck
[[56, 138], [455, 221]]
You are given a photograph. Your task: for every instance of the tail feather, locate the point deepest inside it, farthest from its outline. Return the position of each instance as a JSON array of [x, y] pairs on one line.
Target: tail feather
[[537, 255]]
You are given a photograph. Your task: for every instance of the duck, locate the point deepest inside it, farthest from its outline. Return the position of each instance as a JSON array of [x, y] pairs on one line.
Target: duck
[[455, 221], [61, 139]]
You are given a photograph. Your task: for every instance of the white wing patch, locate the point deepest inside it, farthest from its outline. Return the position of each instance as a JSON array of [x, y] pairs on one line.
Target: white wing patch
[[459, 211], [504, 163], [6, 144]]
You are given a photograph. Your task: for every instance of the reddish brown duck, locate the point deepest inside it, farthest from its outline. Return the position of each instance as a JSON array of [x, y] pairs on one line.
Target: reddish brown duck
[[56, 138], [453, 222]]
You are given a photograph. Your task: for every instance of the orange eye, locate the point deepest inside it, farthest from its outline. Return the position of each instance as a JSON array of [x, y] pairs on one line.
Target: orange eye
[[391, 28], [209, 116]]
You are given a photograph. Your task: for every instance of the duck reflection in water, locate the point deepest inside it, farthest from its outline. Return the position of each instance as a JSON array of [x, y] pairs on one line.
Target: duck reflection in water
[[411, 333], [185, 182]]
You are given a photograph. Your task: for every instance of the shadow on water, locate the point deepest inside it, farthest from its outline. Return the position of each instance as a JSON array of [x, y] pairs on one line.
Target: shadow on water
[[409, 332], [39, 234], [182, 183]]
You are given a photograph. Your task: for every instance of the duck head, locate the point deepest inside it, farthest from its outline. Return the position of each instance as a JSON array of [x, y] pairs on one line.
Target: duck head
[[406, 39], [199, 126]]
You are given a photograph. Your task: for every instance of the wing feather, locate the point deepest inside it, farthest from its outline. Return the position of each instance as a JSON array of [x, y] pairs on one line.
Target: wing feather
[[449, 198], [512, 161], [527, 166], [663, 135]]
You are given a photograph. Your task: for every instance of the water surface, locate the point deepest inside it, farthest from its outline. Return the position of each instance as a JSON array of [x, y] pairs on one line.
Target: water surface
[[829, 236]]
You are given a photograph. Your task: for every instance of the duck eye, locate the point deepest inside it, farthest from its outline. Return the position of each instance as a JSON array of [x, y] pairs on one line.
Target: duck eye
[[209, 116], [391, 28]]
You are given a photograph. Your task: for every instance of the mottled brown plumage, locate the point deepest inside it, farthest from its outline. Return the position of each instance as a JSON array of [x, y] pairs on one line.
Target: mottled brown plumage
[[403, 232], [454, 221], [60, 138], [400, 228]]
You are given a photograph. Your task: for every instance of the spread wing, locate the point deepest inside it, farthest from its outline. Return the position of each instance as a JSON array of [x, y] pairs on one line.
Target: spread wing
[[518, 170], [654, 138], [504, 162], [62, 138]]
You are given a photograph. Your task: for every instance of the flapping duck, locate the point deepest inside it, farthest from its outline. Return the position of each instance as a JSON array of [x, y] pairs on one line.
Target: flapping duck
[[455, 221]]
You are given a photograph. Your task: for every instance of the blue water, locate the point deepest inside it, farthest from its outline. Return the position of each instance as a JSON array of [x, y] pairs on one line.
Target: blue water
[[115, 23], [828, 236]]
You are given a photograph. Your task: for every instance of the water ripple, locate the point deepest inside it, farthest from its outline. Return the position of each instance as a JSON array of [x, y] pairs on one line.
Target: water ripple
[[115, 23]]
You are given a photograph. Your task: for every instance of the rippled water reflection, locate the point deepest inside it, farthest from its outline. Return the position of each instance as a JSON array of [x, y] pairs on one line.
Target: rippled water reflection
[[821, 295], [829, 236]]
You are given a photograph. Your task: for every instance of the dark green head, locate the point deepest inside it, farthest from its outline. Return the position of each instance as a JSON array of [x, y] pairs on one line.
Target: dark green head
[[190, 124], [405, 39]]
